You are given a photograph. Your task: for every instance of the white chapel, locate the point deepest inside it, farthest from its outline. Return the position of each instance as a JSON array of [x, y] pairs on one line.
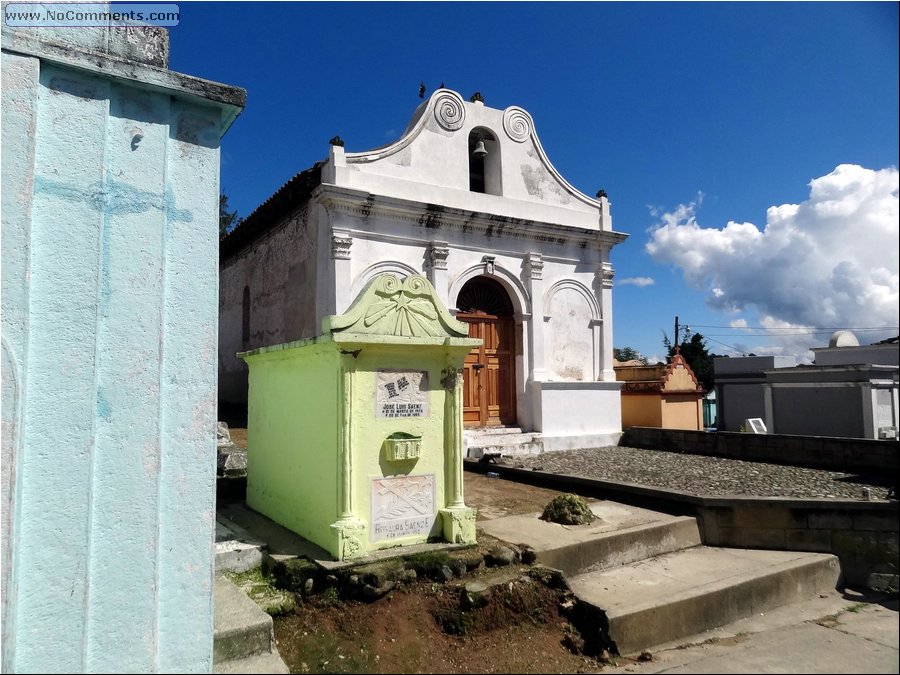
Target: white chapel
[[468, 198]]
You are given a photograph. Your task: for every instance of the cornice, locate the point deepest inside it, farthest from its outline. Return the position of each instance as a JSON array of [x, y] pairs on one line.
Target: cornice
[[363, 205]]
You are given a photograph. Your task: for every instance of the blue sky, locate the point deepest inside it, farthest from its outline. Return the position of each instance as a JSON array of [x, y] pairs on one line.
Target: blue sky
[[696, 118]]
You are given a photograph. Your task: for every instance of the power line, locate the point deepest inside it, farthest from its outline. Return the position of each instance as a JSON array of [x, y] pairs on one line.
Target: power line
[[734, 349], [797, 328], [769, 335]]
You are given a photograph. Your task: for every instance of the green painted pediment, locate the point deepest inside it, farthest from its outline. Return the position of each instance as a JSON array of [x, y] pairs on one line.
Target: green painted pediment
[[401, 308]]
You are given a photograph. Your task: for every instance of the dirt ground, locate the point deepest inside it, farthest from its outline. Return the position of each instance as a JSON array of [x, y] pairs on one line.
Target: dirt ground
[[401, 633], [415, 628]]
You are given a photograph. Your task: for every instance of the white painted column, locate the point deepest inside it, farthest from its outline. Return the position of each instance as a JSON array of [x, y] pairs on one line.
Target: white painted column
[[605, 283], [341, 241], [533, 270], [436, 269]]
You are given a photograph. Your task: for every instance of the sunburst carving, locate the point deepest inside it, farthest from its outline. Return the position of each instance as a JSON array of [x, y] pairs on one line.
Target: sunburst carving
[[408, 308], [484, 296]]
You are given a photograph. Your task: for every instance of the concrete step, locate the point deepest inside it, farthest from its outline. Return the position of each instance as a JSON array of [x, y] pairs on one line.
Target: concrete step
[[503, 441], [260, 663], [621, 534], [241, 629], [236, 549], [492, 431], [671, 596]]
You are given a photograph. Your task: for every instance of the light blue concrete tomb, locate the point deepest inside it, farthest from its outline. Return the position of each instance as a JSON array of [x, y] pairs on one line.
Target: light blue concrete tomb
[[110, 169]]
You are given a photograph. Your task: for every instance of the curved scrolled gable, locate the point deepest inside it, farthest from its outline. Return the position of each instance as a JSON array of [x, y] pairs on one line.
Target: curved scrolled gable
[[434, 150]]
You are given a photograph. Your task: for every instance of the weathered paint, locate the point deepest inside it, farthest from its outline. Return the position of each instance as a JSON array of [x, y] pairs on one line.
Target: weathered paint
[[315, 440], [110, 204]]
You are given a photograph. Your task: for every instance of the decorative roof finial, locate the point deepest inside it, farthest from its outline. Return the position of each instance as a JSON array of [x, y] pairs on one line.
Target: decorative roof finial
[[476, 97], [601, 193], [338, 141]]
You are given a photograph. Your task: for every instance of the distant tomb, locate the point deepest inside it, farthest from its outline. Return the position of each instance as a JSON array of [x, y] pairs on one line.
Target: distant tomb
[[755, 425]]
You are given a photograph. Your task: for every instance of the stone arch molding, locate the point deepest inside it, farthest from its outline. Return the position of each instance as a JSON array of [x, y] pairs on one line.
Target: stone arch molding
[[517, 292], [578, 287], [401, 269]]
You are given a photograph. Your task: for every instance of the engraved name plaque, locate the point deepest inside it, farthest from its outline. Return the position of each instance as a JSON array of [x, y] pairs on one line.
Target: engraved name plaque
[[402, 506], [401, 393]]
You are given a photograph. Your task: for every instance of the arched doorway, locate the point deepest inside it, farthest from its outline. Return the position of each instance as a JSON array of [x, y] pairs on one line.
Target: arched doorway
[[489, 397]]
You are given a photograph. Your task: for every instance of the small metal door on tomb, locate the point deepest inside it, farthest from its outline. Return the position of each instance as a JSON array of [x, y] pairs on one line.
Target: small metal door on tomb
[[489, 370]]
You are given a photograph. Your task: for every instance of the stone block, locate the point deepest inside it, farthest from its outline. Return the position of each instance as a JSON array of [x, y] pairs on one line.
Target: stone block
[[829, 520], [765, 517], [808, 540], [754, 537], [878, 522]]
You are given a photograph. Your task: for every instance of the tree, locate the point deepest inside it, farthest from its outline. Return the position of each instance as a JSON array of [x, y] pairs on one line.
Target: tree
[[227, 219], [697, 357], [629, 354]]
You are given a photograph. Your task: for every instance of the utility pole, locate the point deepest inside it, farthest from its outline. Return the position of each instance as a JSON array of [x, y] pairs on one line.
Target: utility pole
[[677, 343]]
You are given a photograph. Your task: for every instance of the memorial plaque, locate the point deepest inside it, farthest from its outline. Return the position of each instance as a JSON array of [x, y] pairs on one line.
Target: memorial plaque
[[402, 506], [401, 393]]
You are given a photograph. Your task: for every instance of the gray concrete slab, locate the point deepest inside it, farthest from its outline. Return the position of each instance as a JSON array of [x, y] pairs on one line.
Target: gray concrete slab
[[241, 628], [280, 541], [260, 663], [675, 576], [236, 549], [677, 594], [542, 535], [831, 633], [621, 534]]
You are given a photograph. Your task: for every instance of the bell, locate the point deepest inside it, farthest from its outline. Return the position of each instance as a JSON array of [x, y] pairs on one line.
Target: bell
[[480, 150]]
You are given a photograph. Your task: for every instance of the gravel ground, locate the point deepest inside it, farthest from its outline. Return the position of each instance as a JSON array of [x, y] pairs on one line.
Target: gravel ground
[[702, 475]]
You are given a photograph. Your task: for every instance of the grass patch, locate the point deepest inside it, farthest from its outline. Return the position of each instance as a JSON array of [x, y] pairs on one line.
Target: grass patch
[[429, 563], [258, 586]]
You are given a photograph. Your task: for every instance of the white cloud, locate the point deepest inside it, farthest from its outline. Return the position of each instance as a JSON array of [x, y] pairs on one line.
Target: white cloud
[[830, 261], [637, 281]]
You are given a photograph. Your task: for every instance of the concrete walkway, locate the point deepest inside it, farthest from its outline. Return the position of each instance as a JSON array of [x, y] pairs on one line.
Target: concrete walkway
[[818, 629], [834, 631], [838, 633]]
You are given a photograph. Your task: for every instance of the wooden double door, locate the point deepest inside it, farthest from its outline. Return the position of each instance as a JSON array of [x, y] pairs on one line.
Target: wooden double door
[[490, 370]]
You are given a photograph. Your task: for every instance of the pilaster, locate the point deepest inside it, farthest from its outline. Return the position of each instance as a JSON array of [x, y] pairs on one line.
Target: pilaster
[[436, 269], [533, 277], [341, 241], [604, 284]]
